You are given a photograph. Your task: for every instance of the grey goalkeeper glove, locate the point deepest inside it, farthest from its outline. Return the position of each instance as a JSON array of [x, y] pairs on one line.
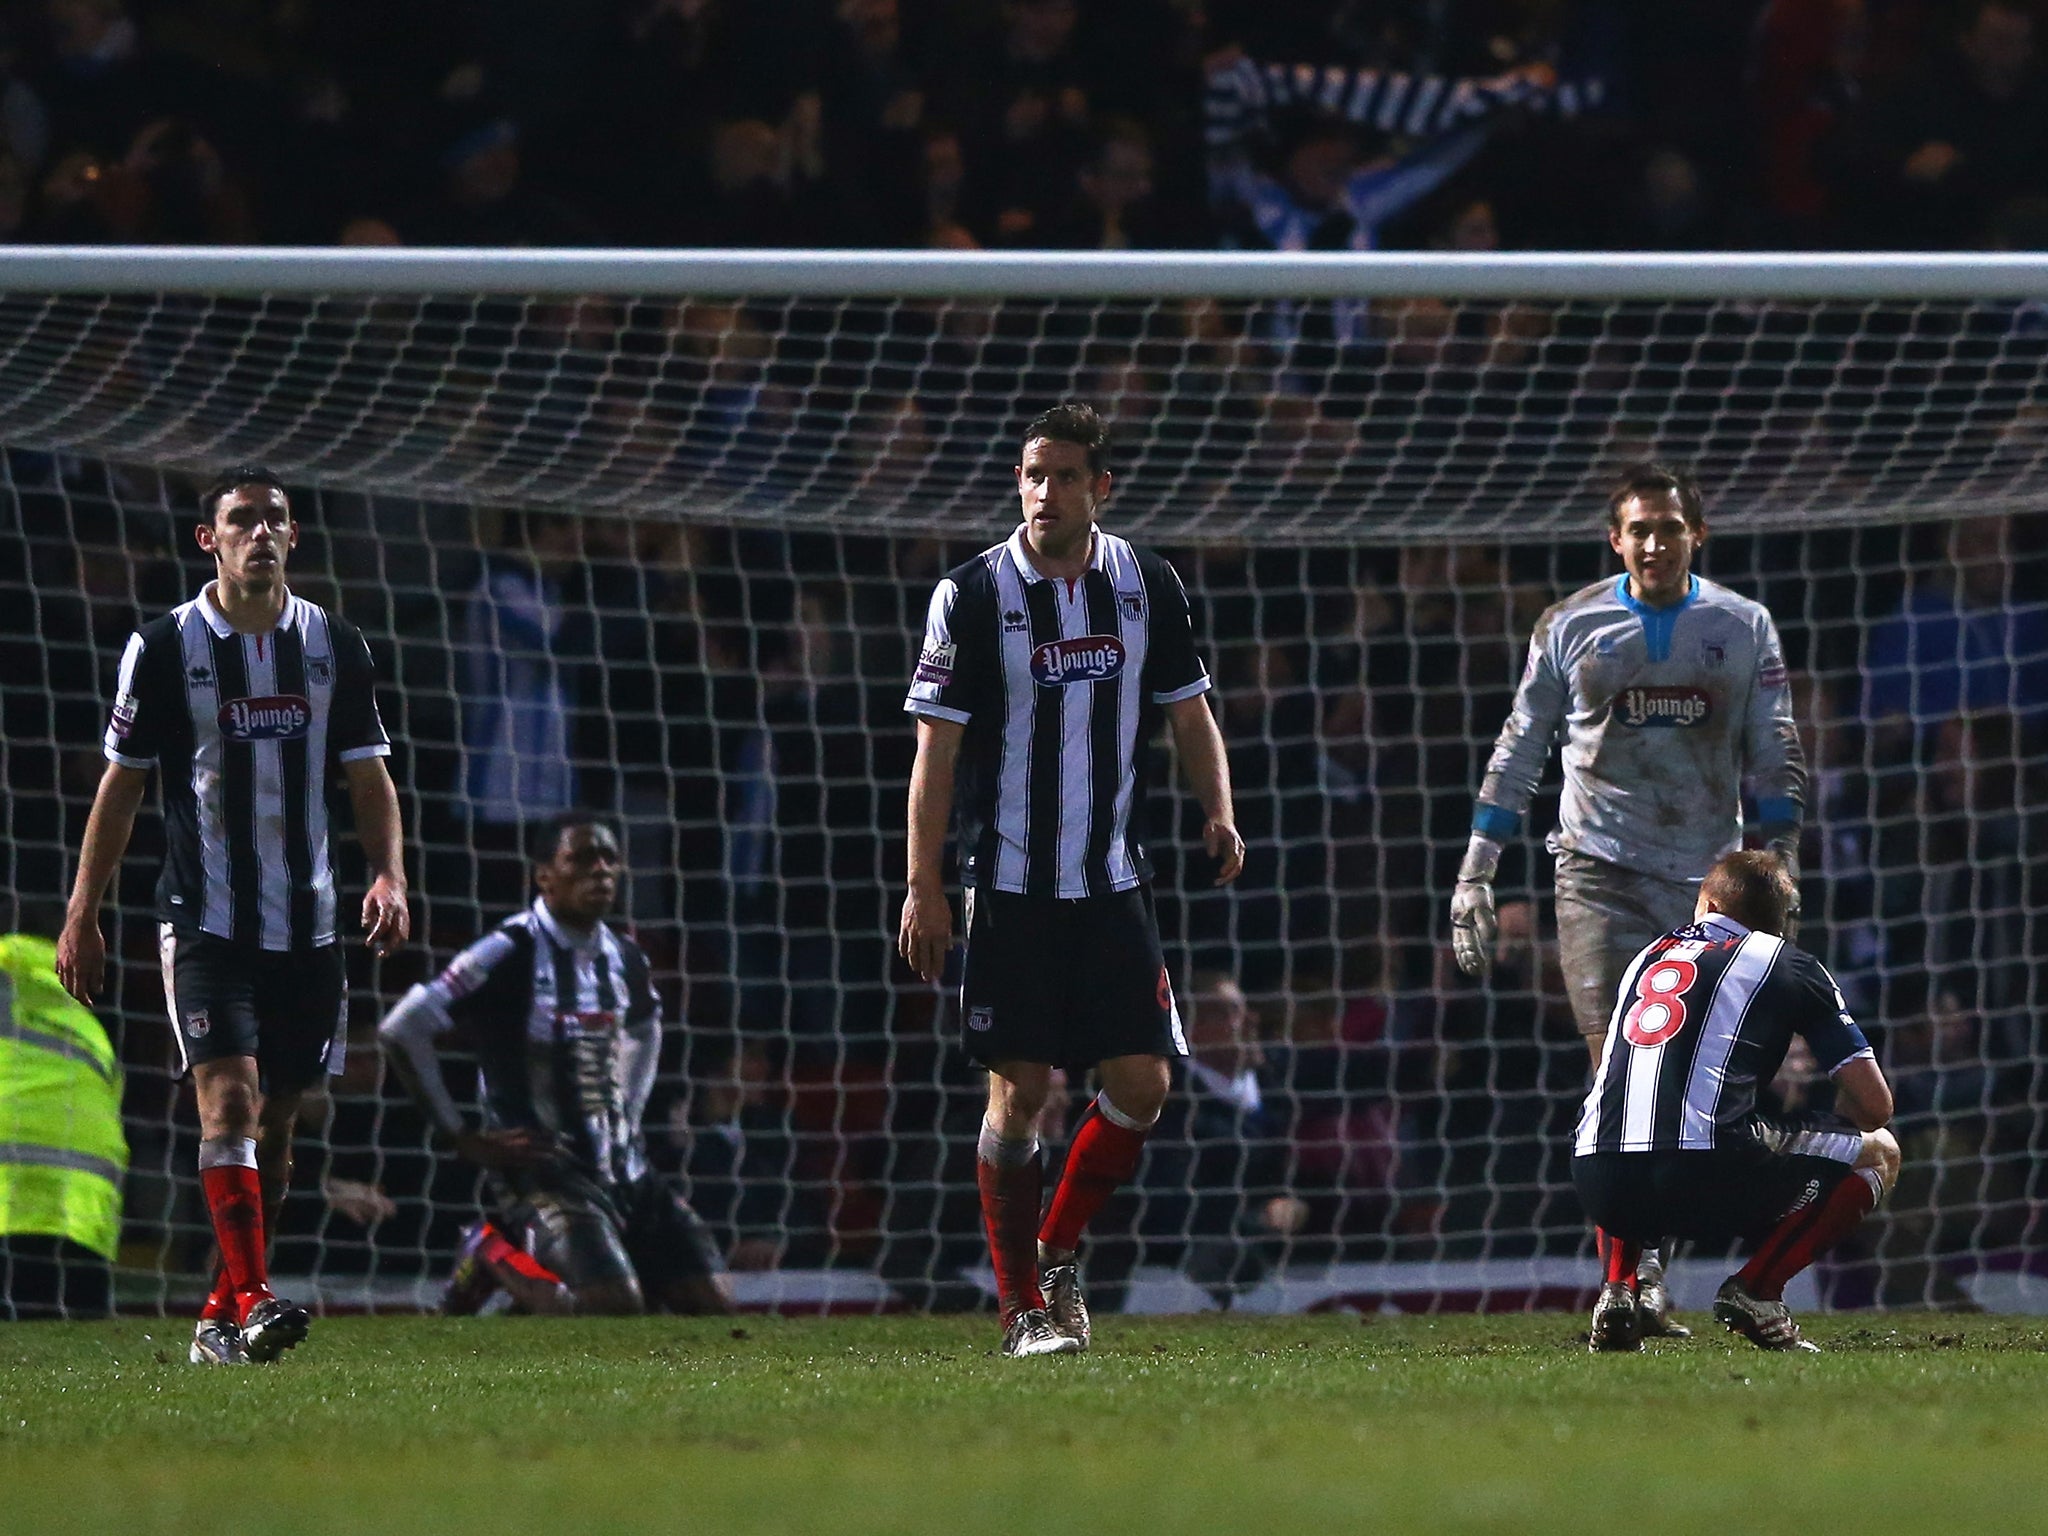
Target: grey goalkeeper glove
[[1474, 924]]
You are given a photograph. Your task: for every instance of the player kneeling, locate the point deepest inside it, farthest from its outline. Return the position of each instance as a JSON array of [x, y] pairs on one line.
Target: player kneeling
[[1671, 1140], [566, 1028]]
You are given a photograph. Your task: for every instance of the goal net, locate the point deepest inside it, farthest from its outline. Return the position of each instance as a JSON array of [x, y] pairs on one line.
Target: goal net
[[656, 535]]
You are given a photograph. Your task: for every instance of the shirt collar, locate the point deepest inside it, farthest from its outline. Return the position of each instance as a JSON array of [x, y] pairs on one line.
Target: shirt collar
[[1642, 609], [560, 934], [1098, 554], [217, 621], [1728, 924]]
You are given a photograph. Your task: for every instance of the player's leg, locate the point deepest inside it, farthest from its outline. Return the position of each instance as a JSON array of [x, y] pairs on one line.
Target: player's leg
[[1011, 997], [1614, 1191], [1840, 1174], [1124, 1006], [673, 1252], [576, 1233]]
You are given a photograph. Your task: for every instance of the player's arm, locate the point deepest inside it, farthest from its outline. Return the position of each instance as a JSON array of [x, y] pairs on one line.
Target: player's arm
[[1512, 774], [387, 923], [1198, 743], [81, 949], [1839, 1047], [926, 931], [640, 1059], [134, 727], [410, 1035], [1773, 760]]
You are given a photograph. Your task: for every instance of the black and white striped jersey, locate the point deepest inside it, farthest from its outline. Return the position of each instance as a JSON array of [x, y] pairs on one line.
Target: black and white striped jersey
[[248, 731], [1703, 1019], [1059, 684], [566, 1028]]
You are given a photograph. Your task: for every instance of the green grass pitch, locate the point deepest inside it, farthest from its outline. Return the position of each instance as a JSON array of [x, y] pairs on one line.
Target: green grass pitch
[[1908, 1422]]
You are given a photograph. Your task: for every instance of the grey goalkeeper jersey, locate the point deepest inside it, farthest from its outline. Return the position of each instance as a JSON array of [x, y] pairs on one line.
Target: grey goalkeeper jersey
[[1664, 714]]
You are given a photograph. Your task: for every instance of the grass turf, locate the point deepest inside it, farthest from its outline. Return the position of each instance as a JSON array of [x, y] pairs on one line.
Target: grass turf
[[915, 1425]]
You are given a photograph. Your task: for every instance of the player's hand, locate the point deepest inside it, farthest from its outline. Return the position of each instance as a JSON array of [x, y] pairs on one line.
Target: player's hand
[[926, 934], [387, 921], [82, 960], [1474, 926], [1221, 839], [502, 1150]]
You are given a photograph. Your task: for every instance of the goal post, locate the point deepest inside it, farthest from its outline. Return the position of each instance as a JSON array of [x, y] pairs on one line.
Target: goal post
[[681, 512]]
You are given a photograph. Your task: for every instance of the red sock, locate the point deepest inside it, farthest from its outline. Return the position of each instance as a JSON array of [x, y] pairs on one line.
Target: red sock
[[499, 1252], [1619, 1257], [1804, 1235], [220, 1301], [234, 1198], [1103, 1157], [1009, 1213]]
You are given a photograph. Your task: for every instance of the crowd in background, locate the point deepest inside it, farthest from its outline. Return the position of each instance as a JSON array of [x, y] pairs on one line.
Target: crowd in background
[[734, 697], [1084, 124]]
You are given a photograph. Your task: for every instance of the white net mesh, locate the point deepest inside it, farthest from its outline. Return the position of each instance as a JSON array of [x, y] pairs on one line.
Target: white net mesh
[[759, 496]]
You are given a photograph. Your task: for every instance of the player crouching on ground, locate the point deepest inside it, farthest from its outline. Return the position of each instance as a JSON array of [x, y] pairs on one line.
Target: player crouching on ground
[[566, 1027], [1048, 660], [1671, 1140]]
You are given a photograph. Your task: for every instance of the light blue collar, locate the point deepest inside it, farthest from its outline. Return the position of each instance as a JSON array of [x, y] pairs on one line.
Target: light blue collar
[[1657, 622]]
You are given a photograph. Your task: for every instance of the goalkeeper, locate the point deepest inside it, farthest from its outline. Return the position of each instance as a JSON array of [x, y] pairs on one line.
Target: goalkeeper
[[565, 1024], [1668, 693]]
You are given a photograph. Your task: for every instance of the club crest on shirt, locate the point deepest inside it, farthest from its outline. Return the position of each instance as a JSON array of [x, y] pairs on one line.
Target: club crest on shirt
[[1084, 659], [935, 663], [1132, 603], [1713, 653], [320, 668], [1662, 708], [272, 717], [981, 1018], [197, 1023]]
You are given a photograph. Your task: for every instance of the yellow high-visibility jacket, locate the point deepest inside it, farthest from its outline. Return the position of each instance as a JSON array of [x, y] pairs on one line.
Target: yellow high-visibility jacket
[[62, 1154]]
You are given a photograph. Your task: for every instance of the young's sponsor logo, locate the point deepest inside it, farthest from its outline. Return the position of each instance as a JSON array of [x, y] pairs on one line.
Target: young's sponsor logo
[[586, 1021], [935, 663], [1660, 708], [273, 717], [1086, 659]]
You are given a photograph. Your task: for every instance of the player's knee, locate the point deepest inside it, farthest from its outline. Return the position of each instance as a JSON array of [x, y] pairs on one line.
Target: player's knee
[[1137, 1087], [1880, 1154], [1015, 1100], [230, 1110]]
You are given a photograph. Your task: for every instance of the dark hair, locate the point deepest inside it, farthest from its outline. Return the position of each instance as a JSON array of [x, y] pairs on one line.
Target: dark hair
[[545, 836], [232, 479], [1073, 422], [1753, 886], [1648, 477]]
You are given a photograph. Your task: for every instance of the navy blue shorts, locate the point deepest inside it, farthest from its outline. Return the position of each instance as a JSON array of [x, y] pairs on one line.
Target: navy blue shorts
[[1728, 1193], [1066, 982], [288, 1008]]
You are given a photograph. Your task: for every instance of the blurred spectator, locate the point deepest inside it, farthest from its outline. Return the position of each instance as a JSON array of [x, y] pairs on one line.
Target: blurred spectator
[[1112, 208], [1969, 635], [1924, 164], [1212, 1185], [484, 199], [522, 644]]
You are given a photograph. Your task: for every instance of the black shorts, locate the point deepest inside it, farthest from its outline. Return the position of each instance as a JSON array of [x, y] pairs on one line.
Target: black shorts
[[1718, 1196], [1068, 983], [588, 1234], [286, 1007]]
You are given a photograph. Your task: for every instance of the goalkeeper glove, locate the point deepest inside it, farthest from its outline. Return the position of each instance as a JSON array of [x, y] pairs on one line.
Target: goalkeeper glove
[[1474, 925]]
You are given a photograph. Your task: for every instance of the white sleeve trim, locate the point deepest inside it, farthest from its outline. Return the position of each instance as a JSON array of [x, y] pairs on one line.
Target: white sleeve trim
[[357, 754], [936, 711], [1866, 1054], [143, 763], [1199, 686]]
